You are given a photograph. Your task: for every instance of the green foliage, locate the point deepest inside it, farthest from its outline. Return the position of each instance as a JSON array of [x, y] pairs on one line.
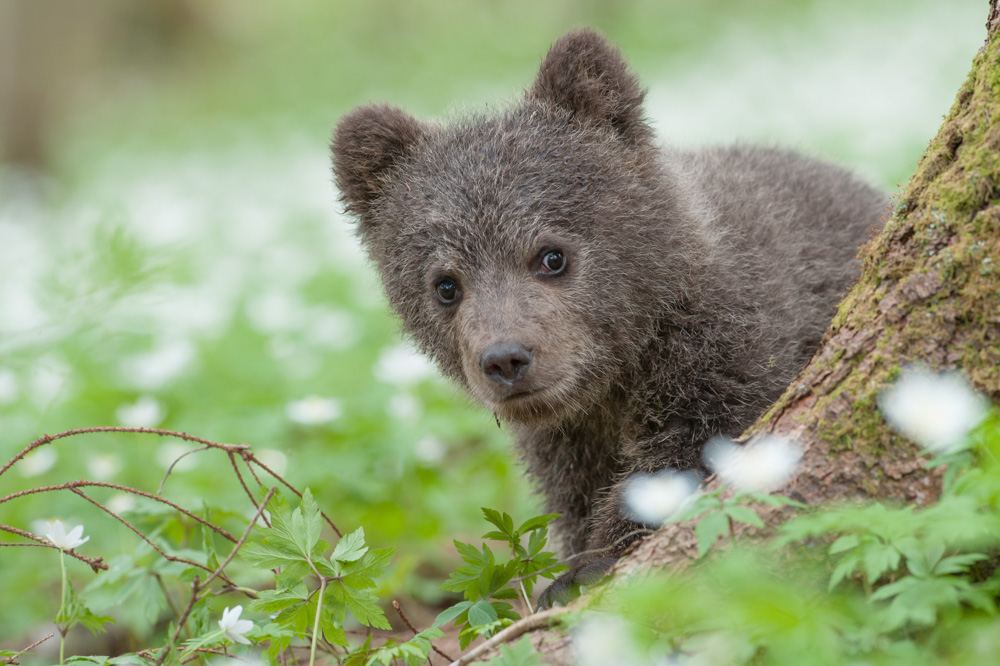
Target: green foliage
[[485, 582], [521, 653], [850, 584]]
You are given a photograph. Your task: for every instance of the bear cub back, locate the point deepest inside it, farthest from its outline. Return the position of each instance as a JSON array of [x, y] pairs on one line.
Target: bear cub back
[[616, 303]]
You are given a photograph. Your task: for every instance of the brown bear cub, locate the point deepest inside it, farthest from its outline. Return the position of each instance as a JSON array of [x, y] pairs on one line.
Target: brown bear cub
[[616, 303]]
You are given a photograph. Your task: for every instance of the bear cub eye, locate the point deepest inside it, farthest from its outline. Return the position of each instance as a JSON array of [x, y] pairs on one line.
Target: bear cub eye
[[447, 291], [554, 262]]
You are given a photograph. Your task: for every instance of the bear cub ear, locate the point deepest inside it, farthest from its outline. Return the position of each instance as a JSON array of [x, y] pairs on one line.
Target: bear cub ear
[[368, 142], [586, 75]]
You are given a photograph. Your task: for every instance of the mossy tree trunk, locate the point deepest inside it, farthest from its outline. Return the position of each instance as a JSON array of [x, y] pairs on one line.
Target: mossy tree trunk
[[929, 293]]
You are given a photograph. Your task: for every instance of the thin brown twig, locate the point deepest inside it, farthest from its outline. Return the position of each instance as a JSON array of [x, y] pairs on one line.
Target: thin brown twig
[[239, 475], [176, 460], [239, 544], [406, 621], [13, 658], [180, 623], [252, 458], [48, 439], [142, 536], [74, 485], [245, 455], [219, 652], [96, 563], [545, 618]]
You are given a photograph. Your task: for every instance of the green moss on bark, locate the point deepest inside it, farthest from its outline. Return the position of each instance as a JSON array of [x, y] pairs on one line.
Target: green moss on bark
[[930, 285]]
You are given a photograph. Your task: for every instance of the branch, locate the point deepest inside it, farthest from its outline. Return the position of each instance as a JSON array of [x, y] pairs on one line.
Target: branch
[[96, 564]]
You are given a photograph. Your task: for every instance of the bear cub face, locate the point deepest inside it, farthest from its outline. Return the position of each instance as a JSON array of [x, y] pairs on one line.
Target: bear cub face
[[495, 236]]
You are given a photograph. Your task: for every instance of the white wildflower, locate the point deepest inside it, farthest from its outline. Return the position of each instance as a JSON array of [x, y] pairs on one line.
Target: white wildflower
[[430, 450], [402, 366], [764, 464], [404, 407], [274, 459], [154, 369], [103, 466], [935, 410], [56, 533], [38, 461], [233, 627], [605, 640], [656, 498], [146, 412], [313, 410], [9, 391], [121, 503]]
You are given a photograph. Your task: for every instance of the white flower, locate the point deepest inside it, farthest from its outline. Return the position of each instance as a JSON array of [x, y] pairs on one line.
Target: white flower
[[121, 503], [766, 463], [103, 466], [605, 640], [55, 532], [8, 387], [146, 412], [274, 459], [656, 498], [430, 450], [935, 410], [313, 410], [38, 461], [233, 627], [402, 366], [404, 407]]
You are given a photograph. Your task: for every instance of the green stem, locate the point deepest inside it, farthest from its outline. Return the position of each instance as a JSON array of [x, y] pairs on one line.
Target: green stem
[[319, 609], [62, 606]]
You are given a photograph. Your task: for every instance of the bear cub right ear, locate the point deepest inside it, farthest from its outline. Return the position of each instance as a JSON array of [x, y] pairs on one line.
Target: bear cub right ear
[[368, 142]]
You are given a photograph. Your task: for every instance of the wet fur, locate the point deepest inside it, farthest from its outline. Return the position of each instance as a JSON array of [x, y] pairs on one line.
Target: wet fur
[[698, 282]]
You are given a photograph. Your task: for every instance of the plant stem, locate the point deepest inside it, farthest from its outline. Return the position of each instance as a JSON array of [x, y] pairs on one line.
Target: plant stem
[[62, 606], [319, 609], [527, 601]]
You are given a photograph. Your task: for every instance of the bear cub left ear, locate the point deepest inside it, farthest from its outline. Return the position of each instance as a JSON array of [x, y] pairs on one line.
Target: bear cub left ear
[[367, 143], [586, 75]]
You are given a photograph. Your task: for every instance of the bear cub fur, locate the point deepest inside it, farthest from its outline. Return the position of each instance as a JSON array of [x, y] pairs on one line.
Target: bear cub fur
[[616, 303]]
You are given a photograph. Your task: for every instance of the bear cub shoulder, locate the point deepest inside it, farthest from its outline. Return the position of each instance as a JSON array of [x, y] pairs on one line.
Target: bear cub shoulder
[[617, 304]]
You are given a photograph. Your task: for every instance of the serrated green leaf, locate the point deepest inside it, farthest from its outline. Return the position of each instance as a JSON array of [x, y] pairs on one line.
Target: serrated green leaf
[[709, 529], [271, 601], [537, 522], [846, 542], [482, 613], [743, 514], [449, 614], [351, 547], [360, 603], [264, 556]]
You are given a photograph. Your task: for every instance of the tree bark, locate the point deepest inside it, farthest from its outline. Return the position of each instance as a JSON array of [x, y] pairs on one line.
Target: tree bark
[[929, 293]]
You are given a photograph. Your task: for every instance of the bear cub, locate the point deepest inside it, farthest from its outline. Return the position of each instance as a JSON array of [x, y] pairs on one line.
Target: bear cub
[[616, 303]]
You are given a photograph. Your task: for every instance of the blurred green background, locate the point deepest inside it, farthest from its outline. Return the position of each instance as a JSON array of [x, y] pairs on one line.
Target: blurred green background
[[172, 253]]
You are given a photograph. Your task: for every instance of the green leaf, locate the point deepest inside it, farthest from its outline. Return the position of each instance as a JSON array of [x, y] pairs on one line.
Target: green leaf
[[846, 542], [743, 514], [351, 547], [709, 529], [482, 613], [264, 556], [537, 522], [271, 601], [360, 603], [449, 614], [521, 653]]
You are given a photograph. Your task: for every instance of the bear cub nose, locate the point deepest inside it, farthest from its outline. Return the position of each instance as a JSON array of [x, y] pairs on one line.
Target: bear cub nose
[[506, 362]]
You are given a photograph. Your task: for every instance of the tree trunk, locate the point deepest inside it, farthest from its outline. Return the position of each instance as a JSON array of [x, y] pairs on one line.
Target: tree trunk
[[929, 293]]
